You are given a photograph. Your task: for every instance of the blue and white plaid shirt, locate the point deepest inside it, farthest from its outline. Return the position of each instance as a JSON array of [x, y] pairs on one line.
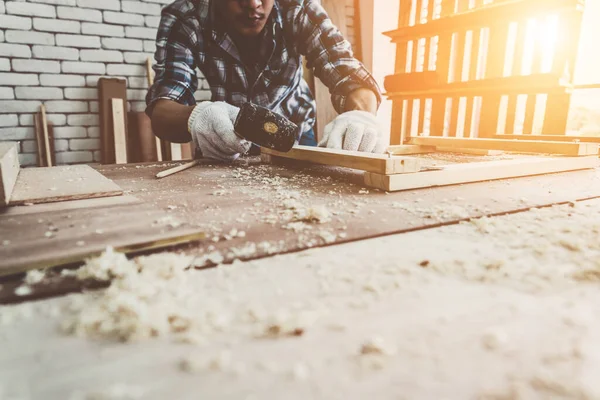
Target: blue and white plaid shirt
[[190, 37]]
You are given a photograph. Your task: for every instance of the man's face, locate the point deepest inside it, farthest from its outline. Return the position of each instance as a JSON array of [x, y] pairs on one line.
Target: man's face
[[246, 17]]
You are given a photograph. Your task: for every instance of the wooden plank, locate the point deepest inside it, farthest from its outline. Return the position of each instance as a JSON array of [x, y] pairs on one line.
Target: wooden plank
[[484, 16], [478, 172], [379, 163], [197, 204], [558, 138], [520, 146], [9, 170], [537, 83], [73, 182], [86, 233], [45, 136], [110, 88], [120, 139], [175, 151], [407, 149], [473, 152], [187, 151]]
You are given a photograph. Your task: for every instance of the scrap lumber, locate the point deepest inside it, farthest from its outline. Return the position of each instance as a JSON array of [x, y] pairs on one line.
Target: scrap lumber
[[62, 183], [44, 135], [119, 131], [377, 163], [519, 146], [174, 170], [9, 170], [479, 172]]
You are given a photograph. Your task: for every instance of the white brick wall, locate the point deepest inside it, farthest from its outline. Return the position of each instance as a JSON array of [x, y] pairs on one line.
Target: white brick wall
[[53, 52]]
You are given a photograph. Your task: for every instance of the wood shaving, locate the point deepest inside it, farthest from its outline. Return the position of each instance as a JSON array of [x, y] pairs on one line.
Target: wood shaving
[[33, 277], [23, 290], [145, 298]]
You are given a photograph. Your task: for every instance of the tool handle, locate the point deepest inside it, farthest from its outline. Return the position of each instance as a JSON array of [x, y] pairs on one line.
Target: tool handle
[[175, 170]]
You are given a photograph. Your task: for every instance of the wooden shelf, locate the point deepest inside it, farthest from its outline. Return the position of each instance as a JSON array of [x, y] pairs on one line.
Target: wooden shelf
[[524, 84], [483, 17]]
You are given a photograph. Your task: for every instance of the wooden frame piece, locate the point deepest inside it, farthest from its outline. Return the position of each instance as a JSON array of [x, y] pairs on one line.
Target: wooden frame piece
[[479, 172], [9, 170], [519, 146], [378, 163]]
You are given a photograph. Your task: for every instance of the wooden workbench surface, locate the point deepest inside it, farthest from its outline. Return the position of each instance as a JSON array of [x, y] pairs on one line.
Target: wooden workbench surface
[[263, 202], [493, 309]]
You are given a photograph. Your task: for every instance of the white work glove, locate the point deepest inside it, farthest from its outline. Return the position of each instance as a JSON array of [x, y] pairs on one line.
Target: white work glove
[[211, 127], [354, 131]]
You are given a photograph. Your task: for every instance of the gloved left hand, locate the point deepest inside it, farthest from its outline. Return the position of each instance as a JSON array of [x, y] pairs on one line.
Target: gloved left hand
[[354, 131]]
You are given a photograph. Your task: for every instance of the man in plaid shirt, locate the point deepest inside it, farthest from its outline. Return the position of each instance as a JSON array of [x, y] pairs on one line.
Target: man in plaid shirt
[[251, 50]]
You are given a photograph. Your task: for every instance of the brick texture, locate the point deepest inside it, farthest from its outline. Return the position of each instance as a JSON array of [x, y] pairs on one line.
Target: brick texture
[[53, 52]]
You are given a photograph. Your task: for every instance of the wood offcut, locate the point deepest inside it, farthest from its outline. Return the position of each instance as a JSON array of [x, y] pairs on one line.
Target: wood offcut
[[74, 182]]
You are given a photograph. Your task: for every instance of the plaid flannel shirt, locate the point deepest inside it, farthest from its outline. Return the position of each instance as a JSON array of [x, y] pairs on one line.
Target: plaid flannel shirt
[[190, 38]]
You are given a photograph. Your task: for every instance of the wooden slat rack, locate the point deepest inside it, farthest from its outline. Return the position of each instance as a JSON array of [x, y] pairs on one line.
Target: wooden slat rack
[[477, 69]]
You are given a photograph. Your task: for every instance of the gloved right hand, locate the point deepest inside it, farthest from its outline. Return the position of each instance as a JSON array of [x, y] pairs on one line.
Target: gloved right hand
[[211, 125]]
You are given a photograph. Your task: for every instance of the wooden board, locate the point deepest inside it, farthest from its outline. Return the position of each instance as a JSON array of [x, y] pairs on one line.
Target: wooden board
[[479, 172], [521, 146], [9, 170], [119, 131], [244, 204], [79, 234], [378, 163], [74, 182], [109, 88]]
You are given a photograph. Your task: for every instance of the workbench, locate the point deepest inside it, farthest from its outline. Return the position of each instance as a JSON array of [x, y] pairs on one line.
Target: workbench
[[405, 268]]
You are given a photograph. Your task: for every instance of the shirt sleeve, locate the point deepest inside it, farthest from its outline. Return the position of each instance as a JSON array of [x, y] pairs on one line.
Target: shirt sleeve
[[175, 65], [330, 55]]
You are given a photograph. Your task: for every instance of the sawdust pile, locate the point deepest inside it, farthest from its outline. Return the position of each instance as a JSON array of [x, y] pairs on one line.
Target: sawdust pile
[[146, 298]]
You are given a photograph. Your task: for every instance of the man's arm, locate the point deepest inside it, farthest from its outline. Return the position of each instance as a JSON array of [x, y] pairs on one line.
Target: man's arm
[[330, 56], [170, 121], [170, 100]]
